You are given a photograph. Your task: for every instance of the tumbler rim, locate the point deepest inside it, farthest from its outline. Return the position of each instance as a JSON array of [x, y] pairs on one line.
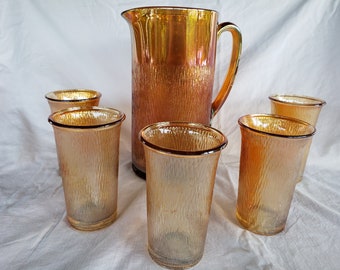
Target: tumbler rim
[[52, 95], [110, 122], [310, 101], [275, 116], [209, 150]]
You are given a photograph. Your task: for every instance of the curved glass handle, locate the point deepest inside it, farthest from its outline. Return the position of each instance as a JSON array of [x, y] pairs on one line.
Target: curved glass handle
[[235, 56]]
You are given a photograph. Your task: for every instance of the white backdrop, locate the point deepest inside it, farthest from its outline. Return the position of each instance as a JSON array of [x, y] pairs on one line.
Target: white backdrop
[[288, 47]]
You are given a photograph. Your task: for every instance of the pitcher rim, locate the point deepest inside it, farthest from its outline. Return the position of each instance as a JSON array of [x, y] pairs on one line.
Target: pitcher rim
[[168, 8]]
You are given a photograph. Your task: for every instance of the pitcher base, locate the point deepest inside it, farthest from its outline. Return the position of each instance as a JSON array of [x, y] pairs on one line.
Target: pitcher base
[[138, 172]]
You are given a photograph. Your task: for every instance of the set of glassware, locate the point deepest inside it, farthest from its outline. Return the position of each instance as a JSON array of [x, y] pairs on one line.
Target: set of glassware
[[173, 145]]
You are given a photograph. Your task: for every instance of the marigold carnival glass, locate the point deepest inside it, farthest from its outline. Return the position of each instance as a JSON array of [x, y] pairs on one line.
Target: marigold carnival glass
[[63, 99], [272, 151], [173, 66], [181, 162], [87, 141], [301, 107]]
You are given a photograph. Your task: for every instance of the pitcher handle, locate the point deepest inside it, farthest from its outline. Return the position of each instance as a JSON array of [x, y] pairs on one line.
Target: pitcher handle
[[235, 56]]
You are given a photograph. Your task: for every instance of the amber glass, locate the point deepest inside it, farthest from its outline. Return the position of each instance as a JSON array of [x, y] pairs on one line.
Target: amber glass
[[87, 142], [300, 107], [173, 65], [181, 162], [272, 151], [63, 99]]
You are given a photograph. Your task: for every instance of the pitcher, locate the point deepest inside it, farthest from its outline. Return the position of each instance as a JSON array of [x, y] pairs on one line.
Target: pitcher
[[173, 66]]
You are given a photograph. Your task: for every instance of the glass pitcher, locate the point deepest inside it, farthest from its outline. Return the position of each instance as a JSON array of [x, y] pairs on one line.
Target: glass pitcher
[[173, 65]]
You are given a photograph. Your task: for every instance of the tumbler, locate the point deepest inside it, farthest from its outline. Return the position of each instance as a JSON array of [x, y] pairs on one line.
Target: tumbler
[[181, 163], [87, 141], [272, 151], [301, 107], [63, 99]]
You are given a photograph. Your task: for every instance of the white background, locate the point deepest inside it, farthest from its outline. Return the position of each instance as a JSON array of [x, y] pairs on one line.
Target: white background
[[288, 47]]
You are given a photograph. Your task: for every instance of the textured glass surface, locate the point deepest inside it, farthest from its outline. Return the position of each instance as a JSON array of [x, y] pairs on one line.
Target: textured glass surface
[[87, 142], [300, 107], [272, 151], [63, 99], [181, 162], [173, 68]]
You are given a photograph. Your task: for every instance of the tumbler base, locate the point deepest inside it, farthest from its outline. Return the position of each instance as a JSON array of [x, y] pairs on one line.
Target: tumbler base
[[163, 261], [258, 227], [92, 226]]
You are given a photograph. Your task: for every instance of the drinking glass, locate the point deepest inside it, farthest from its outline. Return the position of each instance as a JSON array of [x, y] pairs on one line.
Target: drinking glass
[[301, 107], [181, 162], [272, 151], [63, 99], [87, 142]]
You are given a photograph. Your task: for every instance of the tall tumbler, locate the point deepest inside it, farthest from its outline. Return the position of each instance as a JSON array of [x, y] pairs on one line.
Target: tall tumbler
[[87, 142], [63, 99], [272, 151], [301, 107], [181, 163]]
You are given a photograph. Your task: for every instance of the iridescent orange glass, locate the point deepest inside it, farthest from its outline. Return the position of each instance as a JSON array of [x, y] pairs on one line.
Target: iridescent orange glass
[[87, 141], [63, 99], [272, 151], [181, 163], [173, 66], [301, 107]]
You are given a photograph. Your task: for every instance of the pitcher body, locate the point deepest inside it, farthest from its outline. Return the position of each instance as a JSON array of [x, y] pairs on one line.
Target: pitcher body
[[173, 66]]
